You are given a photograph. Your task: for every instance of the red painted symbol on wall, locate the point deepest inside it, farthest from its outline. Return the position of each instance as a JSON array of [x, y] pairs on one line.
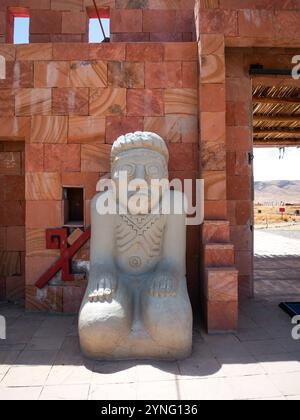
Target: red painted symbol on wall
[[58, 239]]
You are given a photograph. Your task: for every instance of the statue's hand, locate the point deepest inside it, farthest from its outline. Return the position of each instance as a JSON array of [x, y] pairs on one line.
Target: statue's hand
[[163, 285], [104, 288]]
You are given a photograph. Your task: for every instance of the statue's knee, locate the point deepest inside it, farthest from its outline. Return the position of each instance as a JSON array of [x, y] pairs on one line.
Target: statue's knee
[[169, 320]]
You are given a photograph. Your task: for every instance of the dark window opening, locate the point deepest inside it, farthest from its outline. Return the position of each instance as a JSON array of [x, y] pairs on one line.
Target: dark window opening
[[99, 25], [73, 199]]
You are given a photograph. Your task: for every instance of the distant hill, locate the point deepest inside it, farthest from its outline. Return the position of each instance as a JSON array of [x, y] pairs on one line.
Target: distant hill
[[276, 191]]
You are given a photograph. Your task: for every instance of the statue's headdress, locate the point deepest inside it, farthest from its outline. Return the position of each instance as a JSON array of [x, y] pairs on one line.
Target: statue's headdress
[[139, 140]]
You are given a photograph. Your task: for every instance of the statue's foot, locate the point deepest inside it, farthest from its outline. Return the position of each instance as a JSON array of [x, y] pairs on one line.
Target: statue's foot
[[103, 289], [163, 285]]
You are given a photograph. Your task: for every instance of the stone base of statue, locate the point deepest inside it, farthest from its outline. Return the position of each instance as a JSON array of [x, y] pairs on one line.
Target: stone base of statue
[[136, 305], [137, 326]]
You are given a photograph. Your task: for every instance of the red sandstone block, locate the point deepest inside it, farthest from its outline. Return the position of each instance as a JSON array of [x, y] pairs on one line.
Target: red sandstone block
[[33, 52], [216, 21], [8, 51], [130, 37], [108, 52], [74, 5], [181, 51], [258, 23], [215, 232], [43, 186], [222, 317], [163, 75], [74, 22], [51, 74], [118, 126], [242, 237], [174, 128], [185, 20], [166, 37], [49, 129], [145, 52], [88, 74], [183, 157], [286, 24], [47, 22], [33, 102], [219, 255], [159, 21], [12, 213], [67, 52], [50, 299], [243, 212], [10, 163], [7, 102], [18, 75], [190, 75], [36, 244], [72, 298], [86, 130], [34, 157], [215, 210], [238, 89], [239, 188], [213, 127], [181, 101], [212, 44], [43, 214], [244, 262], [62, 158], [2, 238], [239, 113], [146, 103], [86, 180], [95, 158], [108, 102], [221, 285], [212, 69], [239, 139], [214, 185], [126, 20], [15, 288], [70, 101], [15, 238], [14, 187], [126, 75], [212, 98], [15, 128]]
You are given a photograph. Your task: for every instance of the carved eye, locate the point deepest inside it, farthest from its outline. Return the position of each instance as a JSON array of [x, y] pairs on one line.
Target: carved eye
[[153, 171], [130, 169]]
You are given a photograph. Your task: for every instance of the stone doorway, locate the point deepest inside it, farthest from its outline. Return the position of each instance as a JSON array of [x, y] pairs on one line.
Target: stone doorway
[[12, 221]]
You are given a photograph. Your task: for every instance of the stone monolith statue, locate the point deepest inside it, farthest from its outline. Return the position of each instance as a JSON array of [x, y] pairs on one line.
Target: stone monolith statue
[[136, 305]]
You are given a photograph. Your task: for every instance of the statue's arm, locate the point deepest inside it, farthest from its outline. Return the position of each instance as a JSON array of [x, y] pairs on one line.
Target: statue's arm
[[171, 270], [102, 241]]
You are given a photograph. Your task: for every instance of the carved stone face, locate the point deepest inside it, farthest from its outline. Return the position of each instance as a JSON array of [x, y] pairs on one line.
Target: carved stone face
[[140, 164]]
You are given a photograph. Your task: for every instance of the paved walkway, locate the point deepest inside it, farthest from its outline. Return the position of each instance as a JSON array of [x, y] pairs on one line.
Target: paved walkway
[[41, 359], [277, 263]]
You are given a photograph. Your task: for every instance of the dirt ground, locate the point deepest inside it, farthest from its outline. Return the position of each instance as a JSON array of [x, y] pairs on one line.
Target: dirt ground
[[267, 215]]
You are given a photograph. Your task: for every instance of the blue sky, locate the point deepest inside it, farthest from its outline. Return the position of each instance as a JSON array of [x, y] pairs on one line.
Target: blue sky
[[21, 33], [268, 166]]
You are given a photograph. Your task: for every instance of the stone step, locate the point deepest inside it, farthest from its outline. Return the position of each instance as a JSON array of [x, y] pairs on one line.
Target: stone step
[[216, 231], [219, 255]]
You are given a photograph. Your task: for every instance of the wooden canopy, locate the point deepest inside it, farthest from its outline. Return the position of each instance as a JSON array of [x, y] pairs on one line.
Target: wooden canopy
[[276, 116]]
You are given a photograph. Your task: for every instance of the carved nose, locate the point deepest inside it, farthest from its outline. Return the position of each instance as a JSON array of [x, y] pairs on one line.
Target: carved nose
[[140, 172]]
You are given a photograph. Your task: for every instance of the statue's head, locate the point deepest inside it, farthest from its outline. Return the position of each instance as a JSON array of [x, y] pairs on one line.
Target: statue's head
[[142, 156]]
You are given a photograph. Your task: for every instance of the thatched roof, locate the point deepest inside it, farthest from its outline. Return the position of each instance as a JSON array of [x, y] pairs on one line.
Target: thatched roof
[[276, 116]]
